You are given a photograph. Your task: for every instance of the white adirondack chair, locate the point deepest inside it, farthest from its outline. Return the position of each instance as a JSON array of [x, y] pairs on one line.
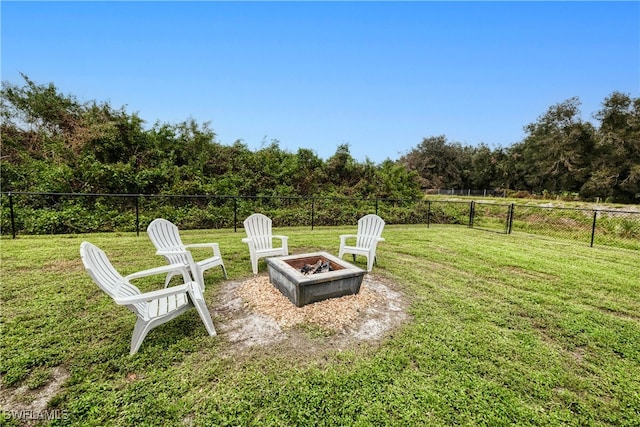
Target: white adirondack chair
[[166, 238], [152, 308], [260, 239], [369, 232]]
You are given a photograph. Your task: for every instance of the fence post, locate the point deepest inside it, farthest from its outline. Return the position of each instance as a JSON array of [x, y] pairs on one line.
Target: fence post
[[593, 227], [472, 213], [428, 213], [510, 218], [313, 211], [235, 214], [13, 223], [137, 215]]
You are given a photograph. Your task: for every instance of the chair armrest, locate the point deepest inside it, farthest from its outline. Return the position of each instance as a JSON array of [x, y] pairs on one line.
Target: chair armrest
[[284, 242], [153, 295], [249, 241], [157, 270], [214, 247], [344, 237], [172, 251], [201, 245]]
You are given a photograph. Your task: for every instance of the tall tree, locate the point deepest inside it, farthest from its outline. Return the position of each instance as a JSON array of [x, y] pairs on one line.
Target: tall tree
[[342, 170], [558, 149], [439, 163], [395, 181], [484, 167], [616, 168], [309, 172]]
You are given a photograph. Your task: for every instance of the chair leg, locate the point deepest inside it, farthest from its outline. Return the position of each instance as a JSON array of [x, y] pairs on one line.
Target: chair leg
[[224, 271], [201, 307], [186, 277], [140, 331], [168, 279], [254, 265], [199, 278]]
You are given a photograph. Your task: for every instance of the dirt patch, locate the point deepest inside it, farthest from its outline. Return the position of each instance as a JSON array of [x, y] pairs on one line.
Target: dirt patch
[[30, 406], [252, 313]]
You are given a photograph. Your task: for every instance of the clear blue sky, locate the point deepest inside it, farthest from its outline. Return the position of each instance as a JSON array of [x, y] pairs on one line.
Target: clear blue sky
[[379, 76]]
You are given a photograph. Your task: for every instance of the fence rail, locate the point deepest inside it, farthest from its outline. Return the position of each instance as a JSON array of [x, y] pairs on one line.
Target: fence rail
[[467, 192], [53, 213]]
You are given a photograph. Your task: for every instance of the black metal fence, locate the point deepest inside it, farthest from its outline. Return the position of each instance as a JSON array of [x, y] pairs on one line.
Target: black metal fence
[[53, 213], [467, 192]]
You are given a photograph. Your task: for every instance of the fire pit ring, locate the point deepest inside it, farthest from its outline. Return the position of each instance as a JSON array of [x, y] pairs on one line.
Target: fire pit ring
[[285, 273]]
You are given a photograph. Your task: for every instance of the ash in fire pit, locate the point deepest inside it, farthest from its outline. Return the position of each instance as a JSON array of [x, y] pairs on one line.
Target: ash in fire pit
[[318, 267], [303, 280]]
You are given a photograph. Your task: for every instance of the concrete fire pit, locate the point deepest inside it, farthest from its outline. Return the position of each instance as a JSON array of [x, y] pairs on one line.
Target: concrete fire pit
[[302, 289]]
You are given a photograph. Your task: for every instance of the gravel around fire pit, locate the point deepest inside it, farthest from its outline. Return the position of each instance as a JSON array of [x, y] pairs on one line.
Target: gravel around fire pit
[[334, 313], [253, 313]]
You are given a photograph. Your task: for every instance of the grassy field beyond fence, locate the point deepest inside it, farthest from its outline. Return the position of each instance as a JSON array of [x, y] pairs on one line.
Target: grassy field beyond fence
[[503, 330]]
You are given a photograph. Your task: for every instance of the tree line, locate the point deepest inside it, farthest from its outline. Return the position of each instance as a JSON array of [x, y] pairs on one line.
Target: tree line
[[53, 142], [561, 153]]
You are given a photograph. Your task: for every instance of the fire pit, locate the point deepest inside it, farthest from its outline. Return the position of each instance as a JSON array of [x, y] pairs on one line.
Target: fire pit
[[286, 274]]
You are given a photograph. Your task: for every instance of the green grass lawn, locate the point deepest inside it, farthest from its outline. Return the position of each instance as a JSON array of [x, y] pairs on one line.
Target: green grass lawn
[[503, 330]]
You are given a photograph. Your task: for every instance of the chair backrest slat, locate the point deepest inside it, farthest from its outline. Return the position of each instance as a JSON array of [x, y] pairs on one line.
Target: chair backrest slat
[[165, 235], [369, 228], [258, 228], [107, 277]]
